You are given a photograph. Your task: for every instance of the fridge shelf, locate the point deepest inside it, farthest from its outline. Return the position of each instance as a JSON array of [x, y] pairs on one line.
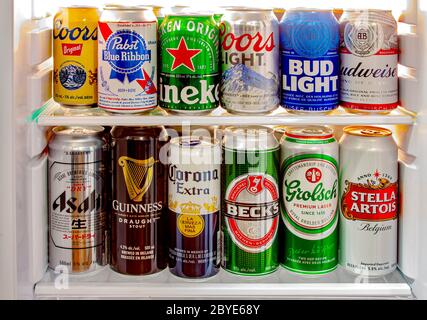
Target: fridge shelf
[[281, 284], [52, 114]]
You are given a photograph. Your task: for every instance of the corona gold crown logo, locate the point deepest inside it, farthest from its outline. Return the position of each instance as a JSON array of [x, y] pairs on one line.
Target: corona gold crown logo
[[138, 176], [190, 208]]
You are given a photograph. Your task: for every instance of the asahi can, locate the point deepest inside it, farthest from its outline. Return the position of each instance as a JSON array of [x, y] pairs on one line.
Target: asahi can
[[369, 60], [75, 51], [189, 68], [194, 205], [250, 193], [77, 199], [309, 193], [139, 200], [127, 55], [369, 201], [249, 61]]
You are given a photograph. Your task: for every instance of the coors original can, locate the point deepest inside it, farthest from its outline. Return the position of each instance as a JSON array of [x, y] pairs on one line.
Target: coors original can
[[369, 201], [369, 58]]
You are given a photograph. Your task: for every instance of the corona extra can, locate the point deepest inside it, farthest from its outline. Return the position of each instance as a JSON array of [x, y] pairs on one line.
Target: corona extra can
[[369, 201], [309, 193], [250, 210], [75, 50]]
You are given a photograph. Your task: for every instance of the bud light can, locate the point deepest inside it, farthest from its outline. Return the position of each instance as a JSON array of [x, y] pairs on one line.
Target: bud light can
[[309, 44], [250, 61]]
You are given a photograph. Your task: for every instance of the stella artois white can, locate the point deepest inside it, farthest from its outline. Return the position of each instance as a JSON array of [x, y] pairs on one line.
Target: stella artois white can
[[369, 201]]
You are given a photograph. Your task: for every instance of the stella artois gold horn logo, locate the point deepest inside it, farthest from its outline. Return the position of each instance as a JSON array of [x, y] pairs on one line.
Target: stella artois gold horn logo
[[138, 176]]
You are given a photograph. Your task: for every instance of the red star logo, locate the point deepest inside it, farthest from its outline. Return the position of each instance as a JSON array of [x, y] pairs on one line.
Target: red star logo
[[183, 56], [377, 174]]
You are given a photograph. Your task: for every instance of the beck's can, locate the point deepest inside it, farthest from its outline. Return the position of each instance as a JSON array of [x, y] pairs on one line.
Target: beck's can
[[249, 61], [77, 199], [75, 50], [194, 205], [309, 44], [250, 193], [309, 193], [127, 55], [369, 61], [369, 201]]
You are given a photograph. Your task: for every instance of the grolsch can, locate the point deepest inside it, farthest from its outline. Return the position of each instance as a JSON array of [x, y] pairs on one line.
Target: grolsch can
[[139, 200], [369, 201], [369, 61], [250, 193], [249, 61], [189, 75], [309, 194], [194, 205], [77, 199], [127, 55], [75, 51], [309, 45]]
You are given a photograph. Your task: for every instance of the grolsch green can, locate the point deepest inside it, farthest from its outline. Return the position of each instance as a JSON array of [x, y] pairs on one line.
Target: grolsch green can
[[189, 67], [251, 208]]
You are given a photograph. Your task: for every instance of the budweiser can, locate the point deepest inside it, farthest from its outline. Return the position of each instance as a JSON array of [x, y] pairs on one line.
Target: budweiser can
[[127, 59], [369, 201], [194, 204], [369, 59], [309, 200], [249, 61], [77, 199]]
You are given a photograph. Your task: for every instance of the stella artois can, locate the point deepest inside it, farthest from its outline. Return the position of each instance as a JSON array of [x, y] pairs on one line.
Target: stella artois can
[[309, 200], [250, 210], [369, 201], [194, 204]]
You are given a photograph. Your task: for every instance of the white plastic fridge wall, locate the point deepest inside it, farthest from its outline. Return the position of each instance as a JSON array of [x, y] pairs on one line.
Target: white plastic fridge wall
[[24, 221]]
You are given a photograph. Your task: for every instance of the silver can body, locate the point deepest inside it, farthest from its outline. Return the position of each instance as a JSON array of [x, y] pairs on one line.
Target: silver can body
[[77, 199], [369, 201], [249, 61]]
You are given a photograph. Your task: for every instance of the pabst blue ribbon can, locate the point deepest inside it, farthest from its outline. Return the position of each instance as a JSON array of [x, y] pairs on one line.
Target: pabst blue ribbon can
[[127, 56], [250, 61], [369, 59], [309, 44], [369, 201]]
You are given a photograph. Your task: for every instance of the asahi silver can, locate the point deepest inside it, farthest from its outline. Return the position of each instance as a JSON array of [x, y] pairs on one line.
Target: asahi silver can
[[369, 201], [249, 61], [369, 59], [77, 199]]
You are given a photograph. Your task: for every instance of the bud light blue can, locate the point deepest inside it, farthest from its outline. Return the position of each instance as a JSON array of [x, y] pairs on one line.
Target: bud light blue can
[[309, 44]]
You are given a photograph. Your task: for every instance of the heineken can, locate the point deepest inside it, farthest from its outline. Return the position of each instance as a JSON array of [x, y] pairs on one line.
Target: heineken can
[[309, 200], [250, 210], [189, 76]]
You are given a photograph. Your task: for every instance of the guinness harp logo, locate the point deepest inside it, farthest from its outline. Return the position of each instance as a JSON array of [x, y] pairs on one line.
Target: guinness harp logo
[[138, 176]]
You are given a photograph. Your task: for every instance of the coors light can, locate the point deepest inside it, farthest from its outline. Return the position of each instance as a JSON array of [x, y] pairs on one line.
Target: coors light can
[[369, 201]]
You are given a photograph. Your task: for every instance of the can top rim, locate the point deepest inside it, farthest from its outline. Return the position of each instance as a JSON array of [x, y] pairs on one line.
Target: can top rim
[[368, 10], [121, 7], [246, 9], [367, 131], [79, 7], [189, 14], [195, 142], [78, 130], [309, 132], [248, 130], [309, 9]]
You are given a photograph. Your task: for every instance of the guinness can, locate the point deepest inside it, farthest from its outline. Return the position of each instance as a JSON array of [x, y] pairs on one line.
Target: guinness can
[[138, 221], [194, 204]]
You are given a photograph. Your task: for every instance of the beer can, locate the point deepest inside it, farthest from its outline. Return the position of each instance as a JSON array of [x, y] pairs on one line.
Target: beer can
[[77, 199], [309, 44], [249, 61], [369, 61], [250, 193], [139, 200], [194, 205], [127, 54], [369, 201], [75, 50], [309, 193], [189, 75]]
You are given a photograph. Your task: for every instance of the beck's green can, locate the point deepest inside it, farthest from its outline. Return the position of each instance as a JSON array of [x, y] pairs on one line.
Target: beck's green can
[[251, 208], [189, 65]]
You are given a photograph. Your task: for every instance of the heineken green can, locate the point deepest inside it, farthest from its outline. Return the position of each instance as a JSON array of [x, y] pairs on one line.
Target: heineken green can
[[189, 67], [309, 199], [251, 206]]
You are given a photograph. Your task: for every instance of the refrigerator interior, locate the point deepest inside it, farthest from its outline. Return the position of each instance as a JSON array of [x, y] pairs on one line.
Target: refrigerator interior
[[27, 114]]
